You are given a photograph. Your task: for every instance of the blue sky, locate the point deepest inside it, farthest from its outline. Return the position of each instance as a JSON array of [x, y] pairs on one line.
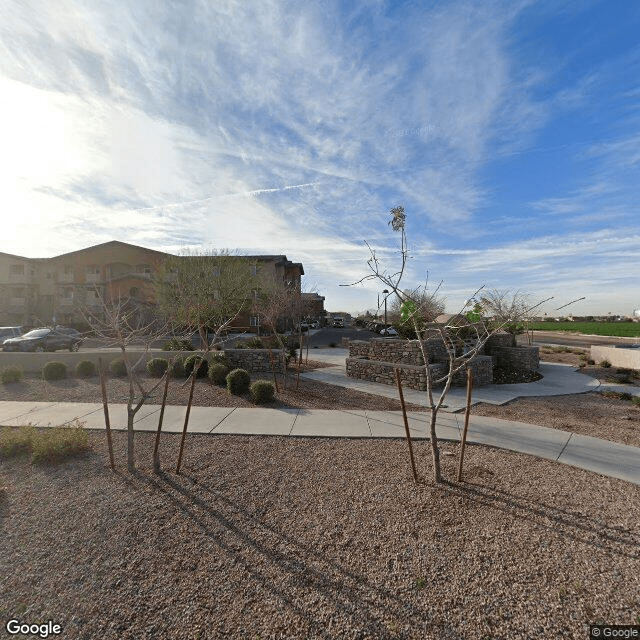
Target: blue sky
[[509, 131]]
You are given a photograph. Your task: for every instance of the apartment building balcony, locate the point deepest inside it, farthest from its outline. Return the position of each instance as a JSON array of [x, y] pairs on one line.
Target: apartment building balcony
[[65, 277]]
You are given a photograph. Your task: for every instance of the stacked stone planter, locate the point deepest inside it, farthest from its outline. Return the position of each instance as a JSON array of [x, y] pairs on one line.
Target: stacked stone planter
[[377, 360], [254, 360]]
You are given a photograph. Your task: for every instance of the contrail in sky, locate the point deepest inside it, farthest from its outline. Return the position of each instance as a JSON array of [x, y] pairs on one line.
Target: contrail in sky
[[228, 196]]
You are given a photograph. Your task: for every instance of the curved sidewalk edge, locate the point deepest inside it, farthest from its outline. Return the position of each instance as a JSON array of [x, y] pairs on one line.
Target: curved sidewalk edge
[[592, 454], [558, 380]]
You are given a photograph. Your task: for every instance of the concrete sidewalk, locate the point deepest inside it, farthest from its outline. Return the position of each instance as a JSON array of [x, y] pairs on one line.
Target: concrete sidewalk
[[558, 379], [600, 456]]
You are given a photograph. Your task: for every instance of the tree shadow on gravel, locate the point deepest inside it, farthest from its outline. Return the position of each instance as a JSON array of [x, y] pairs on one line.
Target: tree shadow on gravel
[[372, 609], [561, 522]]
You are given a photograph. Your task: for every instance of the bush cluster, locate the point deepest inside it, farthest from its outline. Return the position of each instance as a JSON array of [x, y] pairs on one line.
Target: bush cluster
[[177, 344], [198, 362], [177, 368], [85, 369], [238, 382], [118, 367], [220, 358], [255, 343], [11, 374], [48, 446], [262, 391], [156, 367], [218, 373], [54, 370]]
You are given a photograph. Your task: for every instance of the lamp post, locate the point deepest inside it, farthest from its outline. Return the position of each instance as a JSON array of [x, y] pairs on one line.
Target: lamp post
[[386, 291]]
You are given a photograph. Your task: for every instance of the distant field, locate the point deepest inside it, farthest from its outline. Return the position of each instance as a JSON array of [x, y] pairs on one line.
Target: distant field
[[630, 329]]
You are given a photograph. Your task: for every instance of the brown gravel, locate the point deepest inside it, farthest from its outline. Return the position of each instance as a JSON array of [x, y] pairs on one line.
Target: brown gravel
[[309, 394], [268, 537], [592, 414]]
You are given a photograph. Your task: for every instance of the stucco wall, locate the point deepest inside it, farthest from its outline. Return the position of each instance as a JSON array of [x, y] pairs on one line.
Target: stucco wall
[[623, 358]]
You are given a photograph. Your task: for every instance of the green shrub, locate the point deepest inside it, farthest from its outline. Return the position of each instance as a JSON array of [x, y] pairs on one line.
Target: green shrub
[[54, 370], [118, 367], [177, 344], [242, 344], [156, 367], [196, 361], [218, 373], [16, 442], [59, 444], [176, 369], [262, 391], [625, 396], [255, 343], [85, 369], [46, 446], [605, 363], [636, 400], [11, 374], [238, 381], [590, 361], [220, 358]]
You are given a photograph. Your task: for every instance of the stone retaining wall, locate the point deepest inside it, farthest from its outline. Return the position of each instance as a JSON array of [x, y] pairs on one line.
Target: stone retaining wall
[[499, 340], [412, 376], [520, 358], [254, 360]]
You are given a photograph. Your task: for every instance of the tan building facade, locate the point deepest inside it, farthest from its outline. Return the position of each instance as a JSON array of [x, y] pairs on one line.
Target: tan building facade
[[60, 290]]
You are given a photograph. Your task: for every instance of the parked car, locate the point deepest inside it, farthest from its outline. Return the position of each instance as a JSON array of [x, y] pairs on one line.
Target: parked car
[[389, 331], [45, 340], [9, 332]]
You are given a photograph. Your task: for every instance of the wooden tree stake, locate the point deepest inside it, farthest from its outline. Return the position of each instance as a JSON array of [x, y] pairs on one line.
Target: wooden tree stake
[[466, 421], [106, 413], [406, 427], [156, 456], [186, 418]]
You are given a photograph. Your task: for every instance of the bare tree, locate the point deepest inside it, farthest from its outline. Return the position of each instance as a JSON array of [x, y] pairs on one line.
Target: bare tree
[[206, 291], [122, 323], [419, 304]]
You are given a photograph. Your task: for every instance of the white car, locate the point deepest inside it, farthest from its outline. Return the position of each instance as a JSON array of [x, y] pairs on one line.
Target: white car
[[389, 331]]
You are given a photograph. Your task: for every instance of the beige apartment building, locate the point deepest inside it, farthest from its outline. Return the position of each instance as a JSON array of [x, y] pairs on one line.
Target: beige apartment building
[[45, 291]]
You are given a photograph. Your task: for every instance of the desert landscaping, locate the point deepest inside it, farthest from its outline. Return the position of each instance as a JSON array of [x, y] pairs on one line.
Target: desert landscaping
[[271, 537]]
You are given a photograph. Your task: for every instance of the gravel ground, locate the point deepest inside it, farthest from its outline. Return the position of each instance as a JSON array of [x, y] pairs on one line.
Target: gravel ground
[[309, 394], [267, 537], [592, 414]]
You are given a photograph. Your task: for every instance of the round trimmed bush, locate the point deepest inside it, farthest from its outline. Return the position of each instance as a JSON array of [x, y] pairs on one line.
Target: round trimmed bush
[[85, 369], [177, 369], [54, 370], [11, 374], [238, 381], [196, 361], [156, 367], [262, 391], [118, 367], [218, 373]]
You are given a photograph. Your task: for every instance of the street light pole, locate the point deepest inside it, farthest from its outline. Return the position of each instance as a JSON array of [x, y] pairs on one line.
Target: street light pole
[[386, 291]]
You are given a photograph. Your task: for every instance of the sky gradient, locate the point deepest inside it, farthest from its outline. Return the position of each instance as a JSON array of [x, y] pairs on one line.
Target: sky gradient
[[509, 131]]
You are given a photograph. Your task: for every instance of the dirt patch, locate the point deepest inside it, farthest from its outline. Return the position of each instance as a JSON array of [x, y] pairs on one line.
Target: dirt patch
[[316, 539]]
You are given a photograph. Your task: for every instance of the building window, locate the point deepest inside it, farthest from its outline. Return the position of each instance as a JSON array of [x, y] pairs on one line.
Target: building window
[[254, 270], [16, 269], [215, 272], [254, 321]]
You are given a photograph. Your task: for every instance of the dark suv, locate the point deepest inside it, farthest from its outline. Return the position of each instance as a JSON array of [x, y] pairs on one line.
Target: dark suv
[[45, 340]]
